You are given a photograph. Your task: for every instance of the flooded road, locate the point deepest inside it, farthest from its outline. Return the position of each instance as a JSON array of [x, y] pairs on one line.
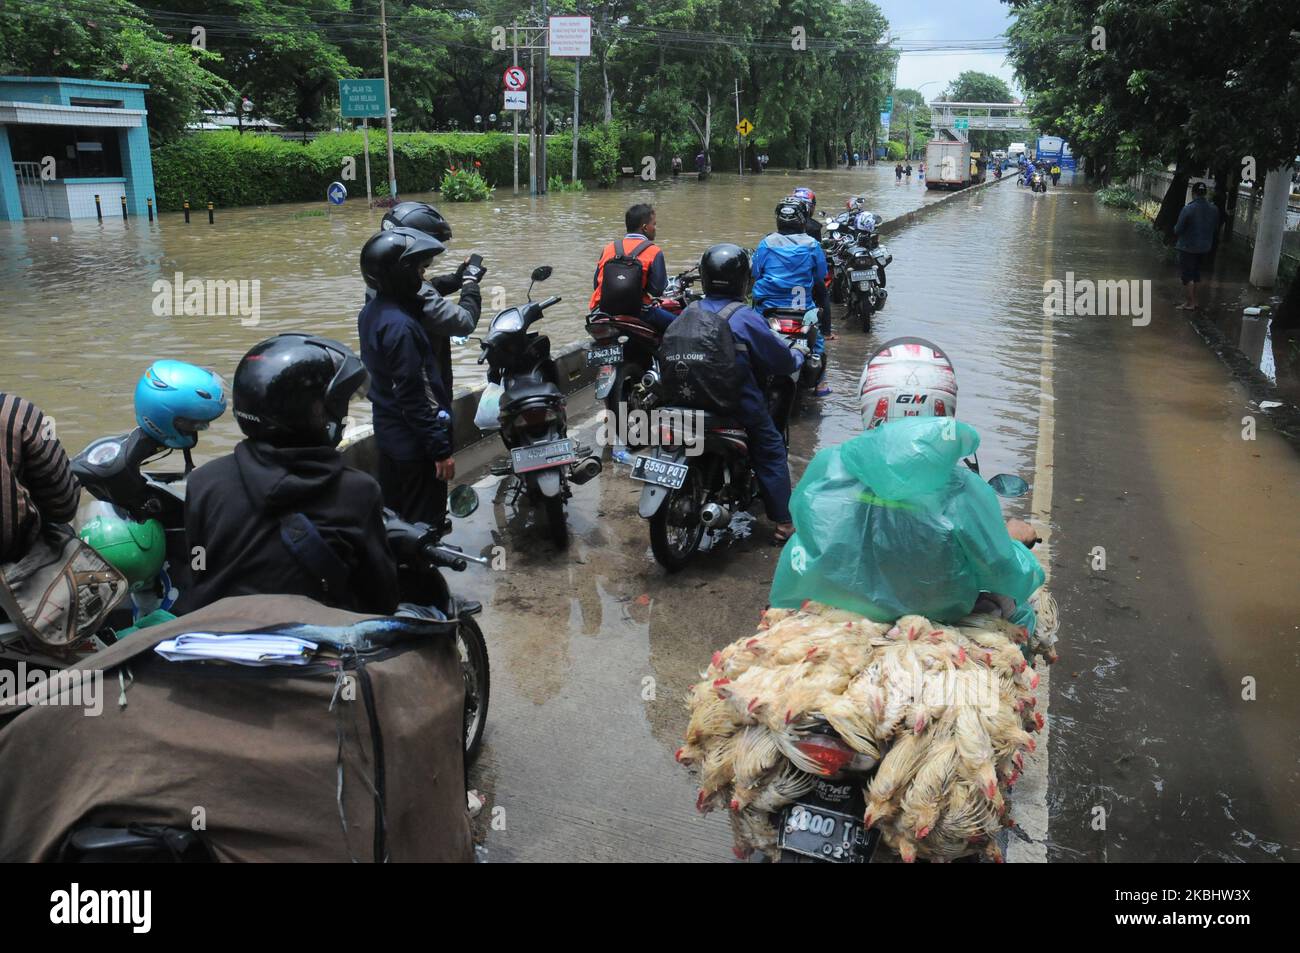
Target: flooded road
[[78, 321], [1173, 544], [1132, 439]]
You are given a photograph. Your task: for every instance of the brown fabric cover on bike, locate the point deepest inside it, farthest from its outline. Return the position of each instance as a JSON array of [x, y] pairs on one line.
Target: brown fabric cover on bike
[[257, 751]]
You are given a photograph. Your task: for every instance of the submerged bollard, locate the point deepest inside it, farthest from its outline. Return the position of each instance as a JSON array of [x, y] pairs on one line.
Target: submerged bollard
[[124, 208], [209, 213], [99, 212], [149, 202]]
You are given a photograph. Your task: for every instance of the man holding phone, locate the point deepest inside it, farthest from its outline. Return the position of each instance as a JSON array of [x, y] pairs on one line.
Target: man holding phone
[[441, 319]]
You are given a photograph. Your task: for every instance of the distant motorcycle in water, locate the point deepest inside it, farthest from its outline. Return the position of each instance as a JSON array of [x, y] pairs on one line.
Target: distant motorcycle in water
[[543, 459]]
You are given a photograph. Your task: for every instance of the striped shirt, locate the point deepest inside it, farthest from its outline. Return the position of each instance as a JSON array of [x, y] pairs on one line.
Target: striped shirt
[[36, 481]]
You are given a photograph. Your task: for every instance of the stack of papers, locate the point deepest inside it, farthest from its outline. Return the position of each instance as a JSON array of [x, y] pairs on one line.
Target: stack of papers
[[246, 648]]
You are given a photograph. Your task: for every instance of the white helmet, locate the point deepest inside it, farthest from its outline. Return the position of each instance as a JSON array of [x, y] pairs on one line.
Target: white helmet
[[907, 377]]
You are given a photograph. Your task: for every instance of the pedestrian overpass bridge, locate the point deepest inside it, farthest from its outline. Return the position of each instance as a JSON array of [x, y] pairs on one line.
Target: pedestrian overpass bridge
[[1008, 117]]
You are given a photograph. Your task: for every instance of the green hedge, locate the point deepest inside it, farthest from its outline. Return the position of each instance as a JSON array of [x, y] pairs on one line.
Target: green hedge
[[230, 169]]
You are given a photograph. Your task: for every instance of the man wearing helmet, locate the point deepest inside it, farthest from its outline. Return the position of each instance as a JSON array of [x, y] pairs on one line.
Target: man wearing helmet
[[893, 522], [760, 355], [283, 513], [439, 316], [410, 381], [821, 290], [789, 266]]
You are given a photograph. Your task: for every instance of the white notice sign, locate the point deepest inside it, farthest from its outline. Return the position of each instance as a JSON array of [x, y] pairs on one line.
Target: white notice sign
[[517, 99], [570, 36]]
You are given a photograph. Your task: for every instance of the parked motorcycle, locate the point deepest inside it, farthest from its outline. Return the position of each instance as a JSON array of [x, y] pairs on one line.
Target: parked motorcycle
[[112, 469], [696, 482], [543, 459], [865, 264]]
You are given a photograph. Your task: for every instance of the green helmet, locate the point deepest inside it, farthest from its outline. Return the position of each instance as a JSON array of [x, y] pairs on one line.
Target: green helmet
[[136, 550]]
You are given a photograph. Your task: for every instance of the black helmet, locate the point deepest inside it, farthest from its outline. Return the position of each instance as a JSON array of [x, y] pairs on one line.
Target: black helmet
[[292, 390], [420, 216], [391, 260], [790, 216], [724, 271]]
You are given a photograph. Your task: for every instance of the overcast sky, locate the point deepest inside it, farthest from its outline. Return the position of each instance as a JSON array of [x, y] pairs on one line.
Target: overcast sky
[[940, 22]]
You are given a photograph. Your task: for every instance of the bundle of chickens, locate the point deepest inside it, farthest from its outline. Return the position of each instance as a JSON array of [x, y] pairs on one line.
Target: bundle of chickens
[[945, 713]]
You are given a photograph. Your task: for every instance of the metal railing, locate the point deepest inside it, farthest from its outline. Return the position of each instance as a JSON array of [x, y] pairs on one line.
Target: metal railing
[[31, 190]]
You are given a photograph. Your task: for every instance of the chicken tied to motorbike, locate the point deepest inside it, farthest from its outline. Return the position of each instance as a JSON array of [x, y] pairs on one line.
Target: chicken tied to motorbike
[[826, 732]]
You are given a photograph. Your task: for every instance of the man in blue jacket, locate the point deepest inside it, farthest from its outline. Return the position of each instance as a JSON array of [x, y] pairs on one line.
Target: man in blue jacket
[[1195, 229], [789, 263], [761, 354], [410, 395]]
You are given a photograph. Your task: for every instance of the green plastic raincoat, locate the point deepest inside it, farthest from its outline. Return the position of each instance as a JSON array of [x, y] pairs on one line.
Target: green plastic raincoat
[[891, 523]]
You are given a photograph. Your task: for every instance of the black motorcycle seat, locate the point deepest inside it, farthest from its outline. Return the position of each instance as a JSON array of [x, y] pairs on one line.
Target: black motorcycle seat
[[529, 391], [785, 312]]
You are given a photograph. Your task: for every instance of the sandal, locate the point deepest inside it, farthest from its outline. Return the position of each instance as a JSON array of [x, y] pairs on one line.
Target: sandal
[[780, 536]]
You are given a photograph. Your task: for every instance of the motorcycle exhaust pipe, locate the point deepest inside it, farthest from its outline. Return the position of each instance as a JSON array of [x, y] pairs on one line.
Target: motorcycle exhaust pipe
[[585, 470], [715, 515]]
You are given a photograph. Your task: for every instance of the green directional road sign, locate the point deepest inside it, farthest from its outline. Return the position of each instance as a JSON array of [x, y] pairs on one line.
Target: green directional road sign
[[961, 124], [889, 104], [361, 98]]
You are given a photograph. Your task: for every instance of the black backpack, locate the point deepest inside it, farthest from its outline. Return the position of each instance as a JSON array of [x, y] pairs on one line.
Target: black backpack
[[622, 282], [697, 360]]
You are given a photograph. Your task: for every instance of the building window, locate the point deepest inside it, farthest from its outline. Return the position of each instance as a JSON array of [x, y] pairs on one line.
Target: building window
[[80, 152]]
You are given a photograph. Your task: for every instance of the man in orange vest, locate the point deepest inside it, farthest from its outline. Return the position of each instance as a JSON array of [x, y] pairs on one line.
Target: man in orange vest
[[619, 289]]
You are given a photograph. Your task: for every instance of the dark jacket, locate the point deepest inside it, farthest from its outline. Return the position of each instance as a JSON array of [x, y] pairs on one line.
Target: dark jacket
[[410, 388], [1196, 225], [764, 354], [233, 507]]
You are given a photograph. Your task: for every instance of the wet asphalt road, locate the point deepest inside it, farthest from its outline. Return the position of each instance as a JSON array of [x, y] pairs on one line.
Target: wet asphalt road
[[1132, 437]]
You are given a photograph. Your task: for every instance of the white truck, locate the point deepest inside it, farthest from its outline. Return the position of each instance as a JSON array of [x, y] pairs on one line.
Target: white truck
[[947, 164], [1015, 150]]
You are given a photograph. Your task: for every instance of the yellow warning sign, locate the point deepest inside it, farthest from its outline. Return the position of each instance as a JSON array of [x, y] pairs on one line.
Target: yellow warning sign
[[744, 127]]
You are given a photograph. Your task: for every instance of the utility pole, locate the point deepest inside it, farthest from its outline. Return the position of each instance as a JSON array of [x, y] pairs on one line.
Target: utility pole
[[388, 105], [515, 112], [546, 31], [740, 148], [532, 116], [577, 78]]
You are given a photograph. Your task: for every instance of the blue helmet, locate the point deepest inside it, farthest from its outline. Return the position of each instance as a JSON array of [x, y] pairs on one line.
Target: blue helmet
[[175, 400]]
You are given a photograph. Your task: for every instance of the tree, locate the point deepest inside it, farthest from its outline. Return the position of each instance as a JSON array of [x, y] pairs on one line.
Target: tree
[[120, 44]]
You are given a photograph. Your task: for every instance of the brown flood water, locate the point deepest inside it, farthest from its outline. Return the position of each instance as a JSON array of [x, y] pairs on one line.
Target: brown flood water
[[78, 325]]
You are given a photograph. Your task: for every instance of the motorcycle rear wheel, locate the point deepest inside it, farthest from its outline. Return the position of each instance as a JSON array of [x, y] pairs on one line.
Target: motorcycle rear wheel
[[632, 374], [675, 544], [472, 648]]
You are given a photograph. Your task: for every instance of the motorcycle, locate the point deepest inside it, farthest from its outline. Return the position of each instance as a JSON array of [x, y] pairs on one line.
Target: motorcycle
[[626, 349], [1038, 182], [696, 482], [799, 327], [865, 265], [827, 823], [543, 459], [112, 469]]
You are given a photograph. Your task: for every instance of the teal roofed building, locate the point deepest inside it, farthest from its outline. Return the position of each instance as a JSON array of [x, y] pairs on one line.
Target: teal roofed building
[[64, 141]]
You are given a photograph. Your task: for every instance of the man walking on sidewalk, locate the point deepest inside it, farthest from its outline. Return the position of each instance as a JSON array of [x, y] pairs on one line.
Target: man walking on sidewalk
[[1197, 223]]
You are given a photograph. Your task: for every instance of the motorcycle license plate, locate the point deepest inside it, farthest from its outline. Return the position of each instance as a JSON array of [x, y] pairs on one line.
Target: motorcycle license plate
[[816, 832], [865, 275], [600, 356], [659, 472], [540, 456]]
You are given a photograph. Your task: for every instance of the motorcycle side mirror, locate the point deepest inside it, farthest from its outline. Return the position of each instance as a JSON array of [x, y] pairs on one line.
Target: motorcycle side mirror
[[462, 501], [542, 272], [1005, 484]]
